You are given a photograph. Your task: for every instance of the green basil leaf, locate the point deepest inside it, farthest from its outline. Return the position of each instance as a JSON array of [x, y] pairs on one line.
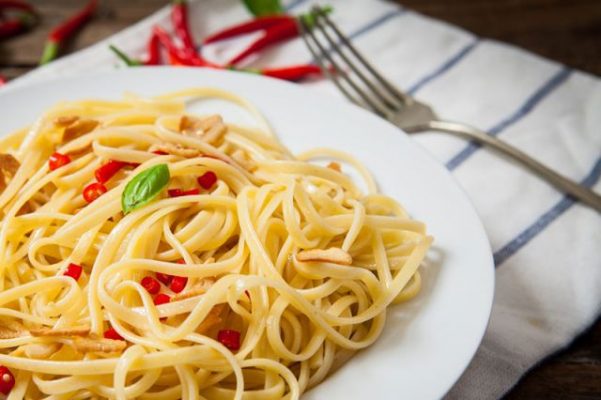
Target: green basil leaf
[[260, 8], [144, 187]]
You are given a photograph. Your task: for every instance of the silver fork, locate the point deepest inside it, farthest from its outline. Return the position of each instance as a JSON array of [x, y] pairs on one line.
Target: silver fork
[[333, 50]]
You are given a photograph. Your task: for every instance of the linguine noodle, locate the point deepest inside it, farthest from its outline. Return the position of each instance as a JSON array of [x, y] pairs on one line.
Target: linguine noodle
[[284, 267]]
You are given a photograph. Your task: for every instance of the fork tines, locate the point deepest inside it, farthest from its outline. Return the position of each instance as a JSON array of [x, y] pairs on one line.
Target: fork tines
[[338, 57]]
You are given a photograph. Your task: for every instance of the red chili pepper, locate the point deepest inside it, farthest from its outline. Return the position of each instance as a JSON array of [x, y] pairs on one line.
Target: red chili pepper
[[207, 180], [229, 338], [20, 22], [74, 271], [111, 333], [16, 5], [292, 73], [57, 160], [108, 170], [161, 298], [150, 284], [176, 57], [7, 380], [154, 55], [254, 25], [160, 153], [179, 19], [178, 283], [179, 192], [164, 278], [93, 191], [286, 30], [65, 30], [3, 80]]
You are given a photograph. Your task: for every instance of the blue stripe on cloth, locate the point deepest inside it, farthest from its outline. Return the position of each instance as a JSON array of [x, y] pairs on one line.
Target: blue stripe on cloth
[[542, 92], [544, 220], [293, 4], [444, 67], [371, 26], [377, 22]]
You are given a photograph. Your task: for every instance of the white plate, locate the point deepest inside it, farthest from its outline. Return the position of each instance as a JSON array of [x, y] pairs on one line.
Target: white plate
[[428, 342]]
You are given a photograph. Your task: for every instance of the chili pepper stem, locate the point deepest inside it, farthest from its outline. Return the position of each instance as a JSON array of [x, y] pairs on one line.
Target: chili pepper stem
[[124, 57], [50, 52]]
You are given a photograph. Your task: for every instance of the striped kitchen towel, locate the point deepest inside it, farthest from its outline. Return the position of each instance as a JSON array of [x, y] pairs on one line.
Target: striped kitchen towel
[[546, 245]]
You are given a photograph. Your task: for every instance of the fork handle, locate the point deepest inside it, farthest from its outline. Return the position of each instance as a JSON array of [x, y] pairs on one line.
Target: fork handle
[[568, 186]]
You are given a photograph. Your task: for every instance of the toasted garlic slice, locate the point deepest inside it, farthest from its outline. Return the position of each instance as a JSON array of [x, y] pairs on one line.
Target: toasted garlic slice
[[332, 255], [87, 345], [75, 331]]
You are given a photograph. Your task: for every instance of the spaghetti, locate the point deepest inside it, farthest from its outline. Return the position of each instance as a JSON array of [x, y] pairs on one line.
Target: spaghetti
[[164, 255]]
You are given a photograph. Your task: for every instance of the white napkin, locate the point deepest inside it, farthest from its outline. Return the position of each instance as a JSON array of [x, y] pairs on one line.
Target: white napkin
[[546, 245]]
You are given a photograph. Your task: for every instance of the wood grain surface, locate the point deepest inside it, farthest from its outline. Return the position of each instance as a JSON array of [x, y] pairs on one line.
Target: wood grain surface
[[568, 31]]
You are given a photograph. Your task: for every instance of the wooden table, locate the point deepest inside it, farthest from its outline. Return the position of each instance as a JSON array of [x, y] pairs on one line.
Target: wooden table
[[567, 31]]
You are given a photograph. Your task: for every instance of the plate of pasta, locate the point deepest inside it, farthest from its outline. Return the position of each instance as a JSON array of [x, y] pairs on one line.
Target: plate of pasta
[[173, 233]]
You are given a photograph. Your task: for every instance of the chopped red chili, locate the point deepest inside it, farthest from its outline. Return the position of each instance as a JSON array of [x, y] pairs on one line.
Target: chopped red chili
[[74, 271], [160, 153], [57, 160], [111, 333], [7, 380], [229, 338], [93, 191], [161, 298], [178, 283], [151, 285], [108, 170], [180, 192], [207, 180], [165, 279]]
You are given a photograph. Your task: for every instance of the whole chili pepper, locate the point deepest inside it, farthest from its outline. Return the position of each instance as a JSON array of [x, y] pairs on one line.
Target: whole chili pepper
[[154, 56], [3, 80], [176, 57], [254, 25], [22, 17], [65, 30], [16, 5], [287, 29], [179, 19], [293, 72], [275, 30], [17, 24]]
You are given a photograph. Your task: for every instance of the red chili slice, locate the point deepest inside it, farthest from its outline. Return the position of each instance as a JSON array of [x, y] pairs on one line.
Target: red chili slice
[[161, 298], [180, 192], [207, 180], [165, 279], [229, 338], [111, 333], [108, 170], [151, 285], [178, 283], [57, 160], [7, 380], [93, 191], [74, 271]]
